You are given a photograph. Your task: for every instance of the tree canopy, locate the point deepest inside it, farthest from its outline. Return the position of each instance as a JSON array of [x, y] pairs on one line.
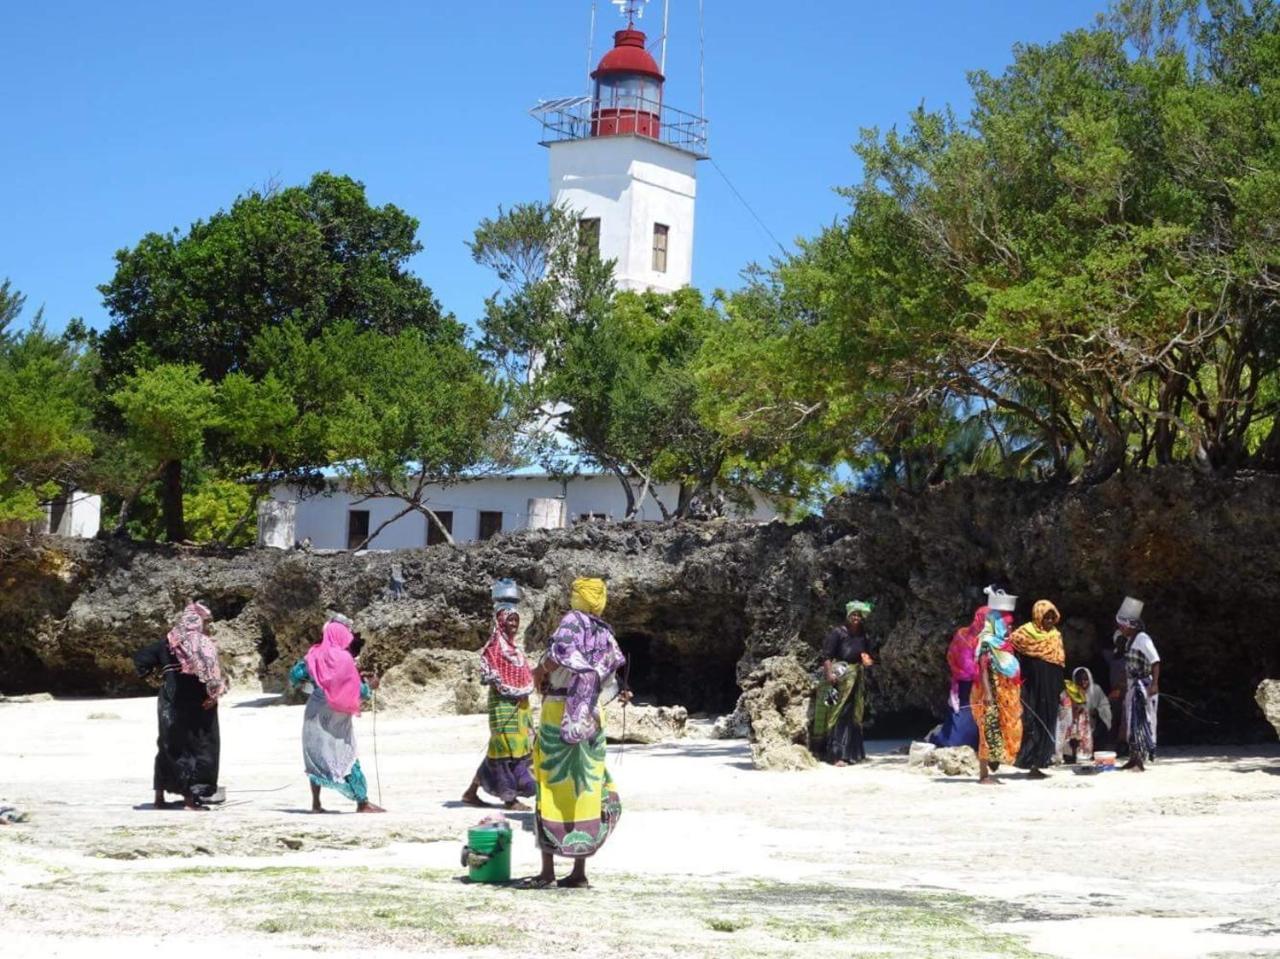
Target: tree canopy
[[1084, 268]]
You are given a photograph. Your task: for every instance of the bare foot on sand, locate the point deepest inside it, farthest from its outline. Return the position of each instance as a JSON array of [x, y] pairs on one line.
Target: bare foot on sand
[[369, 807]]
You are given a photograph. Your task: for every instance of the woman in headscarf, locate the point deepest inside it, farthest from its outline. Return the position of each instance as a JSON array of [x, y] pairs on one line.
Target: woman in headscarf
[[840, 704], [1084, 716], [578, 806], [959, 729], [1040, 654], [328, 725], [188, 746], [505, 771], [996, 698], [1142, 685]]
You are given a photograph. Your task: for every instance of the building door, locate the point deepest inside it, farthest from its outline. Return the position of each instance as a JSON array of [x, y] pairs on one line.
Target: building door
[[490, 524], [434, 536], [357, 527]]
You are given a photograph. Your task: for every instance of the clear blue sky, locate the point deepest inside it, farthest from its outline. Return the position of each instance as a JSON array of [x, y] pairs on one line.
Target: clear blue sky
[[130, 116]]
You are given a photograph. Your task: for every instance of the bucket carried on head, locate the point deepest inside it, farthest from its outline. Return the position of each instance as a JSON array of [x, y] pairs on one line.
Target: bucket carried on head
[[487, 854]]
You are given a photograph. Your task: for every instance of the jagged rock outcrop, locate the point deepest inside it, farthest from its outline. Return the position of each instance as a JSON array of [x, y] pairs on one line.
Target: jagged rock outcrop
[[708, 611], [1268, 698], [644, 724]]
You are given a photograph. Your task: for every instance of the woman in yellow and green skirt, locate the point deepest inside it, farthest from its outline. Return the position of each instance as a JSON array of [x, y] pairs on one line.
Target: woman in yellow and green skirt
[[578, 806], [505, 771]]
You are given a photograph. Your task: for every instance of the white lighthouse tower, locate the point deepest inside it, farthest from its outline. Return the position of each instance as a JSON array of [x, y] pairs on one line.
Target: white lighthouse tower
[[625, 163]]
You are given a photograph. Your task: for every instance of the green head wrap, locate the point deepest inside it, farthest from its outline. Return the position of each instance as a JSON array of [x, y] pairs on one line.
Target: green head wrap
[[857, 606]]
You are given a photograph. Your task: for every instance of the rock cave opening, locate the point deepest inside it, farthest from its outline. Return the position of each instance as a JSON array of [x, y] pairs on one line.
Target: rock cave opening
[[682, 670]]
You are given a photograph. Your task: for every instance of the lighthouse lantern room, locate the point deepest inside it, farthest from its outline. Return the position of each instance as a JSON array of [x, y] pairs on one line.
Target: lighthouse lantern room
[[625, 163]]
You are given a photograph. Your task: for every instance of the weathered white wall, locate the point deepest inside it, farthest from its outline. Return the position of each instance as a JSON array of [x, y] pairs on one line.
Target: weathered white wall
[[323, 518], [631, 183], [81, 519]]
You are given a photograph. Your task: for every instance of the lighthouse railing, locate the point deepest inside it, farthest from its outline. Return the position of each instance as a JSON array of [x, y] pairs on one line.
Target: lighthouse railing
[[577, 118]]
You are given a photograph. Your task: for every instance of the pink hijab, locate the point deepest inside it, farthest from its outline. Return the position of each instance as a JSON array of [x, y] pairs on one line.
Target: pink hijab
[[333, 669], [964, 668]]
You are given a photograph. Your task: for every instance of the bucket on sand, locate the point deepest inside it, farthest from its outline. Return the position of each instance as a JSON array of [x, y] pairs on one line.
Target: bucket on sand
[[487, 854], [1104, 761]]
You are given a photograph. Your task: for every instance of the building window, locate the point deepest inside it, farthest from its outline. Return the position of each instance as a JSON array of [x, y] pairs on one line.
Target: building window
[[490, 524], [434, 536], [589, 237], [660, 233], [357, 527]]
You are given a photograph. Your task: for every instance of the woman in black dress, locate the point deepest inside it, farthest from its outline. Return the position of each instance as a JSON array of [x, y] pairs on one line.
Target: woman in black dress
[[841, 702], [187, 707]]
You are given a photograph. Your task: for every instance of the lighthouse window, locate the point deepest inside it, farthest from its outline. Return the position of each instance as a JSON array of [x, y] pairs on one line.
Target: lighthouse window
[[660, 233], [588, 237]]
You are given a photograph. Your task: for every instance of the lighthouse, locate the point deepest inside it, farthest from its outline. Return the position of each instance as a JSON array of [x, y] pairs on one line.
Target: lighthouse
[[625, 163]]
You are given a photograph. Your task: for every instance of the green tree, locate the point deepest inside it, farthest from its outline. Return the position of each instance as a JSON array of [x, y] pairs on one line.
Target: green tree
[[304, 258], [1085, 264], [415, 414], [46, 407], [612, 374], [167, 411]]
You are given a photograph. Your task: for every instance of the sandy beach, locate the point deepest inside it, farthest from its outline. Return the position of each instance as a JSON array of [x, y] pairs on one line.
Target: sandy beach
[[711, 858]]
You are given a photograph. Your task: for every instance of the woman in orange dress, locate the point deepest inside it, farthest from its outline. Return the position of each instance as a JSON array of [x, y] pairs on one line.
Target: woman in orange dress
[[996, 697]]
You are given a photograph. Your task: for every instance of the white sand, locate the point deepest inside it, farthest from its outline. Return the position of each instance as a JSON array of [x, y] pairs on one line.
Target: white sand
[[1183, 860]]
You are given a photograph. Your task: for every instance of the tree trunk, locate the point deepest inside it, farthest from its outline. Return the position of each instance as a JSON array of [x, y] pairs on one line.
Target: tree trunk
[[626, 487], [175, 526], [434, 520]]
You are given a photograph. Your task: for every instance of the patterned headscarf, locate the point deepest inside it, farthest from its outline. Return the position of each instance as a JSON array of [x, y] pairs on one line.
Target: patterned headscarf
[[333, 668], [860, 606], [1036, 639], [502, 663], [195, 650], [993, 642], [589, 596]]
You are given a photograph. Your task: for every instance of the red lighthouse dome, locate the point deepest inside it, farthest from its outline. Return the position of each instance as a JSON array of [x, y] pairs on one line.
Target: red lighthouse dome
[[628, 91]]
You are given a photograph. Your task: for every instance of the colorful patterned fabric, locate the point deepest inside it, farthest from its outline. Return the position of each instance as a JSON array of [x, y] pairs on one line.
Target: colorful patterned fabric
[[860, 606], [839, 710], [584, 645], [502, 663], [993, 645], [577, 803], [1074, 723], [1139, 706], [996, 697], [195, 651], [510, 727], [1039, 640], [333, 669]]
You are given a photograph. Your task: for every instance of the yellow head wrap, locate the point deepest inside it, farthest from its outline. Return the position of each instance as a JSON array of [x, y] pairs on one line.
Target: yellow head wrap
[[589, 596]]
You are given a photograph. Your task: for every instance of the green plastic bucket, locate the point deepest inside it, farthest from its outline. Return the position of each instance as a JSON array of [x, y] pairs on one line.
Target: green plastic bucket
[[488, 855]]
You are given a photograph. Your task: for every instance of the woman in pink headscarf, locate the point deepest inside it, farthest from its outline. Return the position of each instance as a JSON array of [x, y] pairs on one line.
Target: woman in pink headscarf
[[188, 746], [328, 726], [959, 729]]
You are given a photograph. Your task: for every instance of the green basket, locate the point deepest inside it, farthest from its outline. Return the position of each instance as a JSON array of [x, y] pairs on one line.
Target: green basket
[[487, 855]]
